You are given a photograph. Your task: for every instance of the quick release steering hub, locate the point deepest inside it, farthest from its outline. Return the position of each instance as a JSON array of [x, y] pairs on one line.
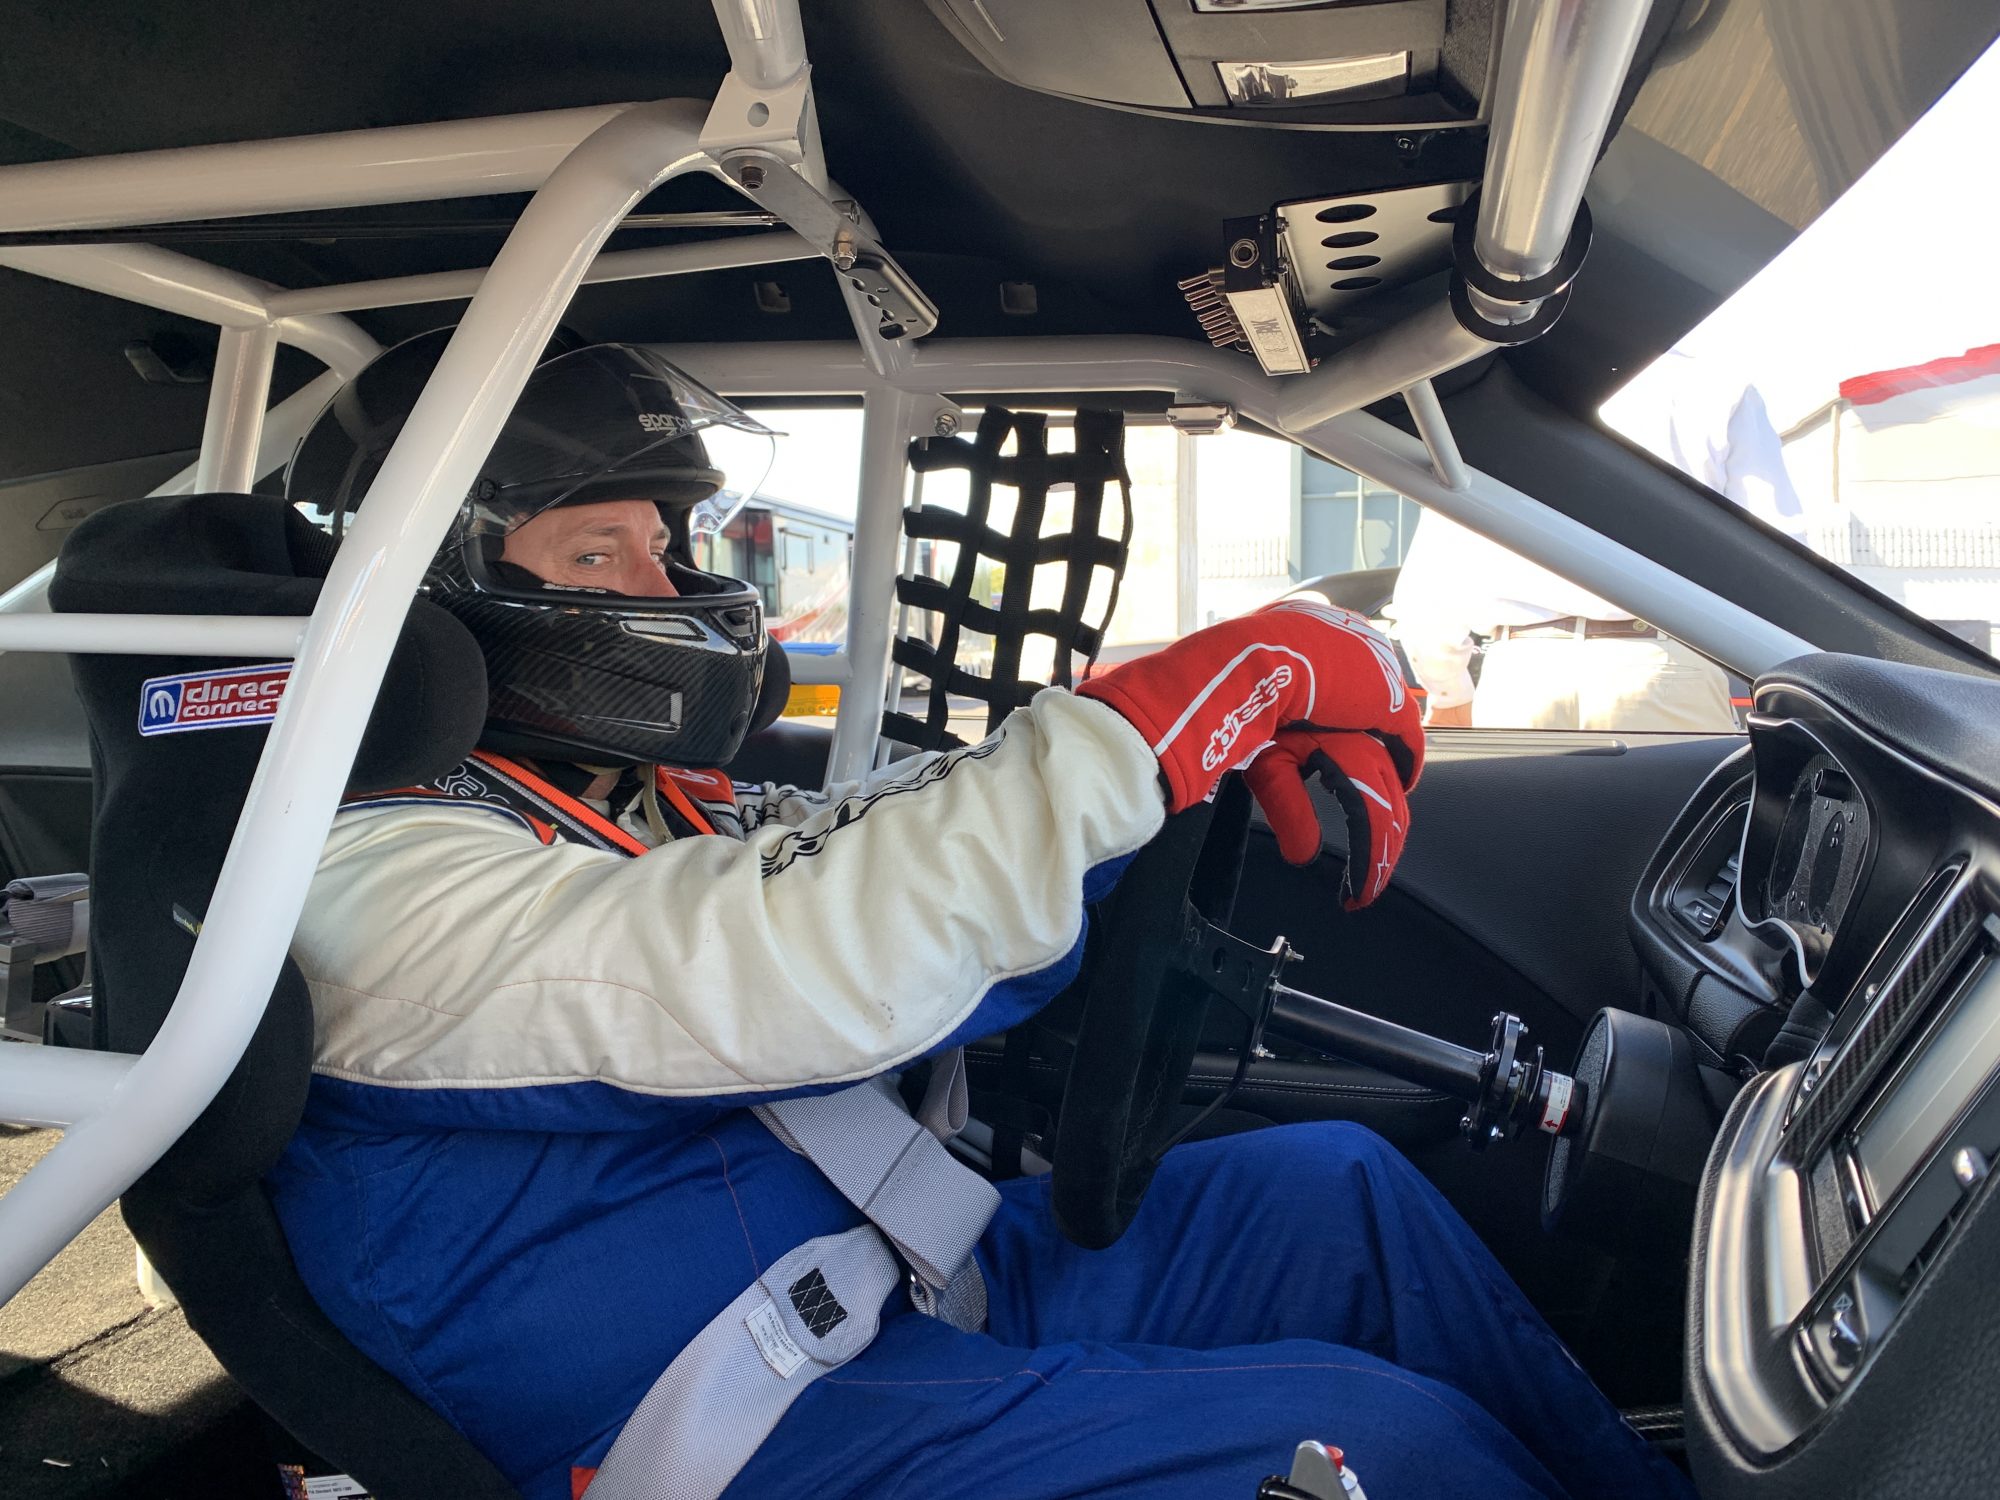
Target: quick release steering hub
[[1515, 1087]]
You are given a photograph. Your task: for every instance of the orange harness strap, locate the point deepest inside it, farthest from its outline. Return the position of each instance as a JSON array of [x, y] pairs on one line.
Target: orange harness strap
[[603, 827], [682, 803]]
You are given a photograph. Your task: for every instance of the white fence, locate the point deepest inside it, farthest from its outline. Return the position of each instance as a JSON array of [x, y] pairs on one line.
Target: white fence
[[1250, 557], [1855, 543]]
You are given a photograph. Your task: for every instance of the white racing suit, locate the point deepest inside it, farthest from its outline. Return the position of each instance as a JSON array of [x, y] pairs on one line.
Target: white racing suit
[[528, 1177]]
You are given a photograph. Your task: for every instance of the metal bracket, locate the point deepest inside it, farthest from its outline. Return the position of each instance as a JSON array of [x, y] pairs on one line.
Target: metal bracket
[[1232, 970], [1201, 418], [834, 228], [1238, 973], [1342, 251], [780, 121]]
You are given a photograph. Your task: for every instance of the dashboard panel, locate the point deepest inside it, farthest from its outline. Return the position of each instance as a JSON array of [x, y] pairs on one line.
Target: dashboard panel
[[1823, 922], [1858, 921]]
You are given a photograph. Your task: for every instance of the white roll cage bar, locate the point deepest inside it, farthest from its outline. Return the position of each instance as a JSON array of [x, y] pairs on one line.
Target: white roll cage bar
[[1561, 65]]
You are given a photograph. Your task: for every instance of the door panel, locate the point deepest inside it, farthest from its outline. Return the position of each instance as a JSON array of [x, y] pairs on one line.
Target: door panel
[[1511, 895], [1524, 848]]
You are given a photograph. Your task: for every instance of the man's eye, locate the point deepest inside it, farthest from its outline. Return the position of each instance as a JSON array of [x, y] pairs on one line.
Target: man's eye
[[591, 559]]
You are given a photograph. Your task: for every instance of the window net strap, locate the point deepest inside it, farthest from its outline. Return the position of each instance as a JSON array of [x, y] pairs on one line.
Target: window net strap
[[1058, 567]]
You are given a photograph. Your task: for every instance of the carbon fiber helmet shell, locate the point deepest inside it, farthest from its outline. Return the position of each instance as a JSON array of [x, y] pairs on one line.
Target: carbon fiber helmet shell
[[573, 673], [611, 680]]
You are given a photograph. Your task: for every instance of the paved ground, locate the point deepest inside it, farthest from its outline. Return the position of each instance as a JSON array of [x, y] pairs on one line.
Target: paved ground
[[101, 1395]]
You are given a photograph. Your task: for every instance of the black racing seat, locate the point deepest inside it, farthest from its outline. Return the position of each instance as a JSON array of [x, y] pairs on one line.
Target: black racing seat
[[165, 808]]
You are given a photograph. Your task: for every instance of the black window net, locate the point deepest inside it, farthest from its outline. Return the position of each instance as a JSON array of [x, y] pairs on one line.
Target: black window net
[[1058, 569]]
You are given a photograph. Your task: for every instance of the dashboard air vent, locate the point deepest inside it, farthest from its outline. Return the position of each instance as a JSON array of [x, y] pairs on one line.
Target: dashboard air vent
[[1704, 908], [1706, 886]]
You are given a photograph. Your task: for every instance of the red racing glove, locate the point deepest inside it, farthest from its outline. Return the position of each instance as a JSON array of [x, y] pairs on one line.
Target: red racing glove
[[1358, 770], [1214, 701]]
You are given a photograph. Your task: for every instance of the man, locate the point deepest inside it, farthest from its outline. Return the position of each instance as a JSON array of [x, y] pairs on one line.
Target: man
[[531, 1184]]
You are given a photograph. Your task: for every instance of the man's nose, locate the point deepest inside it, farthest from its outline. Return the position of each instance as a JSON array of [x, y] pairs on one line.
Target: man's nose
[[646, 578]]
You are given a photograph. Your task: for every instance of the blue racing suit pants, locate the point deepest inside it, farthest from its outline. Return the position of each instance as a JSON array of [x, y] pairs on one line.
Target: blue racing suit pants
[[1298, 1282]]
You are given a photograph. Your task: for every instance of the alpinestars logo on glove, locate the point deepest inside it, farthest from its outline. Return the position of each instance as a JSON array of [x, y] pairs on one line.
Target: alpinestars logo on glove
[[1264, 695], [216, 699]]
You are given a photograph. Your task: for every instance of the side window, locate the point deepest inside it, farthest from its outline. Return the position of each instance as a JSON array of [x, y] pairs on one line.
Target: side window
[[798, 552], [1499, 642], [1224, 523], [1492, 640], [793, 537]]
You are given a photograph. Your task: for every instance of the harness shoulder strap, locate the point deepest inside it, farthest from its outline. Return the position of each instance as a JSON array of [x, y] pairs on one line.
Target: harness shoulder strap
[[931, 1205], [495, 783]]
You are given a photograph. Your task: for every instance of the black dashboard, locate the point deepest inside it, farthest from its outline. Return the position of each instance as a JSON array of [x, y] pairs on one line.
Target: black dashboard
[[1823, 922]]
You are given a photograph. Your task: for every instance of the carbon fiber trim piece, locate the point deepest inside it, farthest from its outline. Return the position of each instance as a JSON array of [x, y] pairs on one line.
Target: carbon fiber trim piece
[[584, 680], [1830, 1100]]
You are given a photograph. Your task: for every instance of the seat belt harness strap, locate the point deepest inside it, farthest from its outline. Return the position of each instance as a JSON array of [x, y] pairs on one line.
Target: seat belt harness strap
[[819, 1305], [932, 1207], [816, 1308]]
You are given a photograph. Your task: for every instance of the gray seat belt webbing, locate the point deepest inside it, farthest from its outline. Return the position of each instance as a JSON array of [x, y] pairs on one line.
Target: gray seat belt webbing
[[946, 1104], [816, 1308], [819, 1305], [932, 1206]]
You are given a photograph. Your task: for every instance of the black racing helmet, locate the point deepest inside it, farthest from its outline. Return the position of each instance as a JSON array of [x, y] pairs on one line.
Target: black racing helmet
[[581, 674]]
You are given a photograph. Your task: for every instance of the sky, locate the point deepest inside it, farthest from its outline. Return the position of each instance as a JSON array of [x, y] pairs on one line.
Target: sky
[[1898, 271], [818, 457]]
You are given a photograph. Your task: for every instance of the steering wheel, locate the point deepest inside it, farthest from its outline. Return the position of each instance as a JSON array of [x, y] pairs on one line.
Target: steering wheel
[[1141, 1011]]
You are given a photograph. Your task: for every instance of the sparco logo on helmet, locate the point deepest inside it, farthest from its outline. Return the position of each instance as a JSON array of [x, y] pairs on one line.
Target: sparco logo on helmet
[[665, 423]]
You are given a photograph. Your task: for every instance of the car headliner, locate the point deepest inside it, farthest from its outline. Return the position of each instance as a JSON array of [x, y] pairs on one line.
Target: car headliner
[[1757, 114]]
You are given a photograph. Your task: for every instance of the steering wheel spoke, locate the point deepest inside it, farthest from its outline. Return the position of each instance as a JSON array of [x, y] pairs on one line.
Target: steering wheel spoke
[[1143, 1002]]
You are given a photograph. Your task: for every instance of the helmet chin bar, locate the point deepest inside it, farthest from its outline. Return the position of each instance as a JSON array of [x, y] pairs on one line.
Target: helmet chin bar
[[1505, 1089]]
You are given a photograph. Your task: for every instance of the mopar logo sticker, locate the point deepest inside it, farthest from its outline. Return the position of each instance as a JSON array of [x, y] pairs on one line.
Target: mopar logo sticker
[[212, 700]]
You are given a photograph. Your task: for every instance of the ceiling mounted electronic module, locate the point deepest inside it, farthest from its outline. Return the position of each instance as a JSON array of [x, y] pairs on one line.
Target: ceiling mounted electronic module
[[1290, 276], [1364, 64], [1324, 81]]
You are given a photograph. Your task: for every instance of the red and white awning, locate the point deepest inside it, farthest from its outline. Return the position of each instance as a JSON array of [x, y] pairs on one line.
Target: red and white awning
[[1922, 393]]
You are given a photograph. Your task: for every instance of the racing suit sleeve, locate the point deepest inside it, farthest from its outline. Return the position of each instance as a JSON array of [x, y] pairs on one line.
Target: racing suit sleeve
[[789, 806], [452, 955]]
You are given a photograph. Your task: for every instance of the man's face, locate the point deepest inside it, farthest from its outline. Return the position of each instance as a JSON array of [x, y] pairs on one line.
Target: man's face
[[616, 545]]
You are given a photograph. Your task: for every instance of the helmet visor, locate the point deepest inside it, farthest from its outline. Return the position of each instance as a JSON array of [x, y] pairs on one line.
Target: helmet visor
[[617, 422]]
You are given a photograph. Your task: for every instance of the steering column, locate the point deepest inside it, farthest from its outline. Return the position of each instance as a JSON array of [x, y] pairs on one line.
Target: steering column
[[1506, 1088], [1159, 952]]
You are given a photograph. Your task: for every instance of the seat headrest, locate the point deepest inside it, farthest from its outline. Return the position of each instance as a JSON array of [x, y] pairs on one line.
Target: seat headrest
[[254, 555], [167, 803]]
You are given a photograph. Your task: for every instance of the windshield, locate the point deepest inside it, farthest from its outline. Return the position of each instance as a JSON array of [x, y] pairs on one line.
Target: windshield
[[1849, 394]]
